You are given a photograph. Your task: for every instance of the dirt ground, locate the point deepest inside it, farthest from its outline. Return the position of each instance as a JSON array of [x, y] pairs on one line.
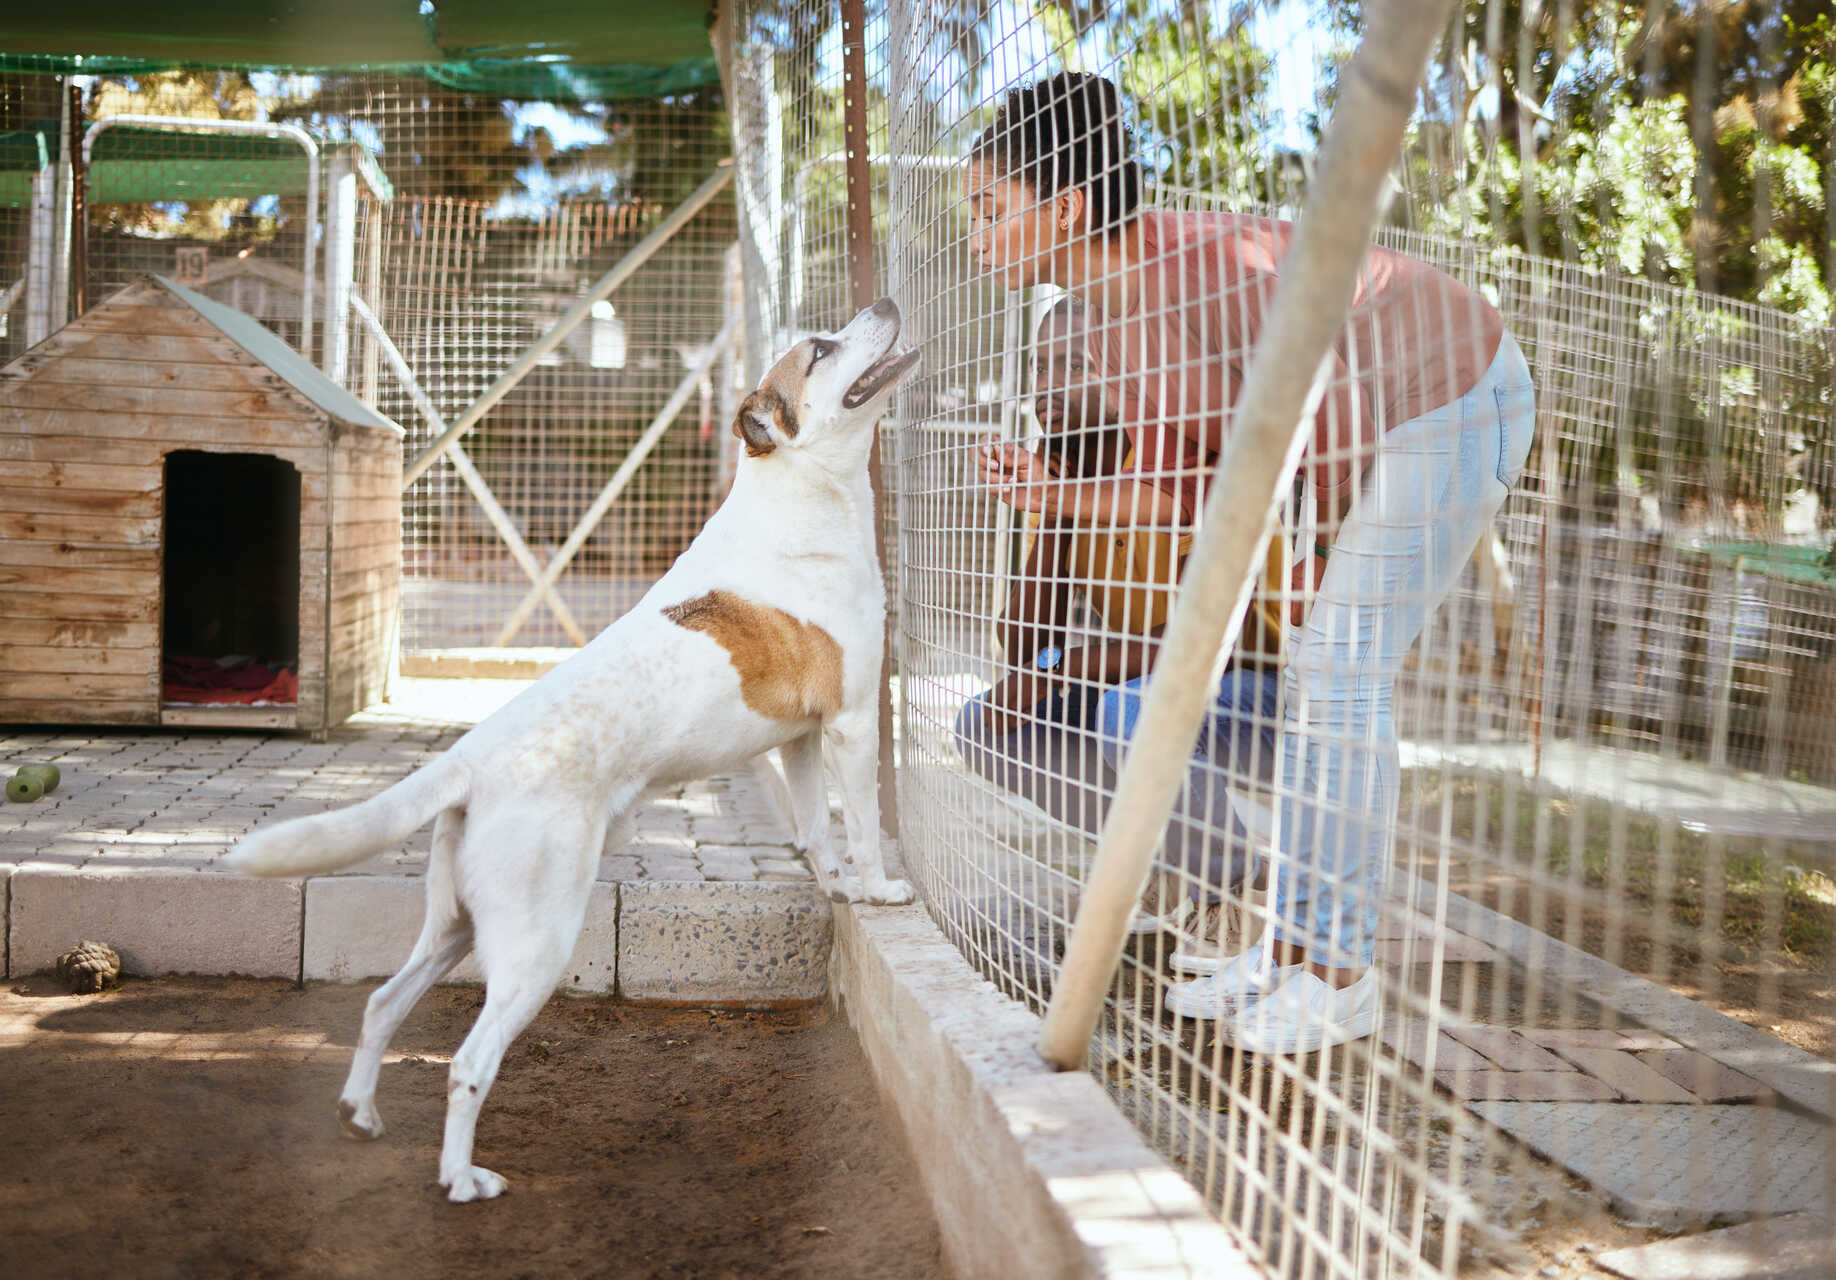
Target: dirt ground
[[187, 1127]]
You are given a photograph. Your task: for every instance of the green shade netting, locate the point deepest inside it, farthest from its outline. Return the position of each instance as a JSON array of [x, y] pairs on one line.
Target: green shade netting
[[351, 34], [542, 50], [140, 166]]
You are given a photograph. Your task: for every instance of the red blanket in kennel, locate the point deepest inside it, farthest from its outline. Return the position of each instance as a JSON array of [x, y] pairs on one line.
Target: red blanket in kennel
[[210, 680]]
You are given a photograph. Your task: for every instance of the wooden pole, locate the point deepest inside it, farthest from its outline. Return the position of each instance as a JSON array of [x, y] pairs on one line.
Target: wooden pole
[[862, 292]]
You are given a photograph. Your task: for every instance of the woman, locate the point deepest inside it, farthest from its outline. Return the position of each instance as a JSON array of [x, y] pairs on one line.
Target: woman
[[1423, 429], [1054, 727]]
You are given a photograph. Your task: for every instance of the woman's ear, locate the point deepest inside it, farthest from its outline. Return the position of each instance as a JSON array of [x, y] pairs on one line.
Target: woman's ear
[[1068, 208]]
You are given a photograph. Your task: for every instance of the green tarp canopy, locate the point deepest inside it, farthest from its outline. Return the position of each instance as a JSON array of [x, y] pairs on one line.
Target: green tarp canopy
[[139, 166], [551, 49]]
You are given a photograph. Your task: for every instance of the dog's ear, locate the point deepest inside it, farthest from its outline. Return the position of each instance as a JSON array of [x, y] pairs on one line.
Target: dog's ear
[[758, 413]]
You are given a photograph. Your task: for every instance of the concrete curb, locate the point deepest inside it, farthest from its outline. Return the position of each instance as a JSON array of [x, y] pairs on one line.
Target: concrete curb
[[753, 944], [723, 942], [360, 928], [158, 919], [1031, 1172]]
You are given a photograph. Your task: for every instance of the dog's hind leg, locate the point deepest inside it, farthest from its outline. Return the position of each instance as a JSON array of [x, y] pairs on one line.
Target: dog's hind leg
[[446, 936], [525, 933], [810, 802], [855, 744], [773, 781]]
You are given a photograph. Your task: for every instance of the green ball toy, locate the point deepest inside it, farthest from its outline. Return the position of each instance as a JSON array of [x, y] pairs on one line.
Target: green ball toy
[[23, 790], [47, 775]]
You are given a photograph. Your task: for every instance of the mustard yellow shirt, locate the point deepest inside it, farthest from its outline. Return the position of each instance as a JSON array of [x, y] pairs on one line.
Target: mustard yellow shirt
[[1128, 574]]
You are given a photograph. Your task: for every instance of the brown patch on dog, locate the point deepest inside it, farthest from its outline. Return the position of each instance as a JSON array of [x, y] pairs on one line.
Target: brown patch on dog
[[788, 670]]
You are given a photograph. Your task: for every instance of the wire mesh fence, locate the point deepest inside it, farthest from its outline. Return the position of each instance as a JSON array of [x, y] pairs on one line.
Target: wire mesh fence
[[1526, 735], [477, 219], [1536, 755]]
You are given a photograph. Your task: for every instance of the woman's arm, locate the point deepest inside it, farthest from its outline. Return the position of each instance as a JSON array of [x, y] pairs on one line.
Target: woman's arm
[[1038, 603], [1024, 481], [1114, 661], [1109, 663]]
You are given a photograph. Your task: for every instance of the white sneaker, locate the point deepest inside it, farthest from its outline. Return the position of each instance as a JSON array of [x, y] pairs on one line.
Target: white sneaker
[[1238, 985], [1303, 1015]]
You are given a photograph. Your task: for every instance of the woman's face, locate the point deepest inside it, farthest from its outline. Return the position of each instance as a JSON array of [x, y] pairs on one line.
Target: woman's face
[[1013, 233]]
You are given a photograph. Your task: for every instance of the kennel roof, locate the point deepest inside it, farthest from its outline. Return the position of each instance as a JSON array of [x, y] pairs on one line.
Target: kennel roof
[[262, 344]]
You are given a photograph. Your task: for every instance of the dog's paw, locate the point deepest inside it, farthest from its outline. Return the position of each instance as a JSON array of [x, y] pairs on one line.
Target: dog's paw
[[359, 1120], [845, 889], [474, 1184], [891, 893]]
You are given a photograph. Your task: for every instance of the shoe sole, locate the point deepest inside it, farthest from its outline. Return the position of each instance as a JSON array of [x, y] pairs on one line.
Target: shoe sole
[[1187, 962], [1315, 1038], [1234, 1008]]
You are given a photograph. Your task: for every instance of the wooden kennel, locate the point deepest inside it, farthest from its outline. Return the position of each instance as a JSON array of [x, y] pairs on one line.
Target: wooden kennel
[[175, 479]]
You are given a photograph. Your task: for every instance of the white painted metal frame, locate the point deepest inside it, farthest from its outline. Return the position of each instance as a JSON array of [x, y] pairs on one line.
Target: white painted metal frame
[[251, 128]]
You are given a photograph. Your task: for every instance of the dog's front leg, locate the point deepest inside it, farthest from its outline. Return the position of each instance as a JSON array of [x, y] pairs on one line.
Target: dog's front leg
[[810, 803], [854, 743]]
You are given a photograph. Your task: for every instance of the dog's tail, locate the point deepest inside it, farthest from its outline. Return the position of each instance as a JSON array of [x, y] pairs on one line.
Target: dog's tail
[[327, 841]]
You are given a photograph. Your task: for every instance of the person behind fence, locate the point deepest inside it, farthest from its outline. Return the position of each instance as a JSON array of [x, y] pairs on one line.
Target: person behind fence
[[1423, 429], [1053, 728]]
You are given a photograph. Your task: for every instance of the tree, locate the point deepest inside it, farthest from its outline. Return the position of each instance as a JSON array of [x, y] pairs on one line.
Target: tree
[[1690, 144]]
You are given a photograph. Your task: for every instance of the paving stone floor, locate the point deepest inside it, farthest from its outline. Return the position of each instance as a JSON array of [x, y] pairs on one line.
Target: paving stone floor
[[180, 799], [707, 903]]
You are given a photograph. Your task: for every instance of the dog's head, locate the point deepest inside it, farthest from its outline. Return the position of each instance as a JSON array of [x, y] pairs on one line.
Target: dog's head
[[826, 392]]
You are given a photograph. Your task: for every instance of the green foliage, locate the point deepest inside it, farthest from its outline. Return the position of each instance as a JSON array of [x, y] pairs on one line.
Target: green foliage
[[1202, 102], [1728, 194]]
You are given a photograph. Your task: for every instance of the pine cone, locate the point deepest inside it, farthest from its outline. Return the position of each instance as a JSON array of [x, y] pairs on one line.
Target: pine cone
[[90, 966]]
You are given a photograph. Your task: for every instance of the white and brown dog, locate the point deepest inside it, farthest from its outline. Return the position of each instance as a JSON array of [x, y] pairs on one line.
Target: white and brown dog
[[765, 634]]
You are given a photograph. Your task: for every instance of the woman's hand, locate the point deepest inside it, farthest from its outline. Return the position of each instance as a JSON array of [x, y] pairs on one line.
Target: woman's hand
[[1020, 478]]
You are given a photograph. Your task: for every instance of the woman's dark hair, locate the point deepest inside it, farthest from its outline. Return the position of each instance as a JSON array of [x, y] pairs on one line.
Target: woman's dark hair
[[1068, 133]]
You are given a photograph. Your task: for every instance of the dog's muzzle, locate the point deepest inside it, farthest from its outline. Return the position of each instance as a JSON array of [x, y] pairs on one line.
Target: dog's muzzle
[[881, 374]]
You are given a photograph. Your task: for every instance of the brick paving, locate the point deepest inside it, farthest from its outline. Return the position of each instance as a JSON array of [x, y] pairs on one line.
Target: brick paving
[[180, 799], [129, 848], [1666, 1133], [1534, 1064]]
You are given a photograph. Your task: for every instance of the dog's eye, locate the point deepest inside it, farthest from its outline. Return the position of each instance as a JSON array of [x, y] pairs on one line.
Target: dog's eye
[[818, 349]]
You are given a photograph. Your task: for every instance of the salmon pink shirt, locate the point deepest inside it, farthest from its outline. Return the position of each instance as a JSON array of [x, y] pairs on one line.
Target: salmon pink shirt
[[1416, 339]]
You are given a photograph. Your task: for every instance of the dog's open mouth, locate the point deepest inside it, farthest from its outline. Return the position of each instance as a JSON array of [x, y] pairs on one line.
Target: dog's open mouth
[[885, 371]]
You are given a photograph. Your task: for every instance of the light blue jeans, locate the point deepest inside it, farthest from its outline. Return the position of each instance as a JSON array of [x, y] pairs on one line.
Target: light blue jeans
[[1067, 755], [1431, 493]]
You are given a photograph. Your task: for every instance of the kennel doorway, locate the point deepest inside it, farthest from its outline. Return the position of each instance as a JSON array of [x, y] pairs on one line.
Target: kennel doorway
[[230, 583]]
